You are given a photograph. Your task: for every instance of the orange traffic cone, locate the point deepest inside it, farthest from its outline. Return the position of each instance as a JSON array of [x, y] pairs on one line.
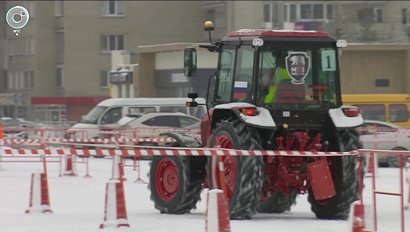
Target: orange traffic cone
[[39, 196], [117, 168], [217, 213], [115, 214], [69, 167], [357, 219], [361, 217]]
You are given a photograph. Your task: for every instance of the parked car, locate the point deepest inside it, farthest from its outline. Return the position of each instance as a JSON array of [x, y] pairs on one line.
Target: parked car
[[150, 124], [111, 110], [384, 136], [12, 128]]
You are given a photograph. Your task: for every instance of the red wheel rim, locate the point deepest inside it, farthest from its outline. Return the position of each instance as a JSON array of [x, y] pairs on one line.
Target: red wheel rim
[[166, 179], [229, 163]]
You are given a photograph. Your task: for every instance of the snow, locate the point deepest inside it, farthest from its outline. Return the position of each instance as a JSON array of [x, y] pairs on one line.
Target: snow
[[78, 203]]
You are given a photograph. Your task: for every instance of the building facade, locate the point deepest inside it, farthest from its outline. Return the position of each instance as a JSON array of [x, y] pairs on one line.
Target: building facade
[[60, 62], [58, 67], [355, 21]]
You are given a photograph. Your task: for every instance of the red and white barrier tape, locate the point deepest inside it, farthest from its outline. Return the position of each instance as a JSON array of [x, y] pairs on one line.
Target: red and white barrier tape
[[169, 151], [85, 140], [138, 130]]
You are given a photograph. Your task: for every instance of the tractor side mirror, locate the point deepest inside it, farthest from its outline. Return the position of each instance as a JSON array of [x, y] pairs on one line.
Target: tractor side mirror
[[192, 103], [190, 62]]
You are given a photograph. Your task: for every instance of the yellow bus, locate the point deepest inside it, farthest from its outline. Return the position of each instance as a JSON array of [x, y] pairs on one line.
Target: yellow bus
[[392, 108]]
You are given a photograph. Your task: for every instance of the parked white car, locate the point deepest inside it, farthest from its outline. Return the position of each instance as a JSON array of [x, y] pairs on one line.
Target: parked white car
[[150, 124], [381, 135], [13, 128], [111, 110]]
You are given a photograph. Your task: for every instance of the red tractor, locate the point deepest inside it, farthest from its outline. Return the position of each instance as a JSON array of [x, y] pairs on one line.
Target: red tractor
[[272, 90]]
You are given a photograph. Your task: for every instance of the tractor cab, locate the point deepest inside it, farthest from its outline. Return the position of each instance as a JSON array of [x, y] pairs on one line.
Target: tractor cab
[[293, 74]]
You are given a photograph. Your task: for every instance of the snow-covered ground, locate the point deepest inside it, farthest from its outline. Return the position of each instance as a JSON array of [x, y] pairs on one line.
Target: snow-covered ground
[[78, 204]]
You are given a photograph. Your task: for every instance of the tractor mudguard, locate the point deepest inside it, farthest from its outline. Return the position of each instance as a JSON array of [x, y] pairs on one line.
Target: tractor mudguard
[[341, 121], [262, 119], [182, 139], [196, 164], [321, 179]]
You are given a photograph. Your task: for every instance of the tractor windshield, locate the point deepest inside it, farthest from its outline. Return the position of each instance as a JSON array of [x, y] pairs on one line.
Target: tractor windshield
[[298, 78]]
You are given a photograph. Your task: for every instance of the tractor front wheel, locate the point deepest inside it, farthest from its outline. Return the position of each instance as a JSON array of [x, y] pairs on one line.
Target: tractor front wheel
[[171, 188], [240, 177]]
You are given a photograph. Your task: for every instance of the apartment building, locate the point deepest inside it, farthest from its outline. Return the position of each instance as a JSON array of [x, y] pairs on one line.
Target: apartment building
[[57, 67], [355, 21]]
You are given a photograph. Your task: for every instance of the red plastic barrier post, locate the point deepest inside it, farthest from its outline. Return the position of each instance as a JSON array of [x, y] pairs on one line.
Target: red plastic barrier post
[[117, 168], [69, 165], [39, 194], [217, 213], [115, 213]]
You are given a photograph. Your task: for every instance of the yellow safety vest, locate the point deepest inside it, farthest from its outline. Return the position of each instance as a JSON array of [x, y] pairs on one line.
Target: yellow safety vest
[[280, 75]]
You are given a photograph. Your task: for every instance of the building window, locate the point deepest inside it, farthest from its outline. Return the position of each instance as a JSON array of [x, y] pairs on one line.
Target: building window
[[318, 11], [267, 13], [306, 11], [59, 77], [382, 83], [10, 81], [19, 80], [112, 42], [404, 16], [58, 8], [378, 15], [112, 8], [104, 79], [268, 16], [60, 47], [31, 76], [292, 13], [28, 80]]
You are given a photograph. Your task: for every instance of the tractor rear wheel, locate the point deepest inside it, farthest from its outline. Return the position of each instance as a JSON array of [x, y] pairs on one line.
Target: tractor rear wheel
[[172, 190], [277, 202], [242, 176], [345, 179]]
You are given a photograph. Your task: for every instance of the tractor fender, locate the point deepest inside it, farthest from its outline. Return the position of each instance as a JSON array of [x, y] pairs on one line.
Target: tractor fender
[[263, 119], [341, 121], [197, 164], [182, 139]]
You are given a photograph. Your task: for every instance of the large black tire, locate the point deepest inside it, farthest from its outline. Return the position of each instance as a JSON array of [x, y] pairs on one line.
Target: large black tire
[[244, 186], [278, 202], [344, 172], [171, 188]]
